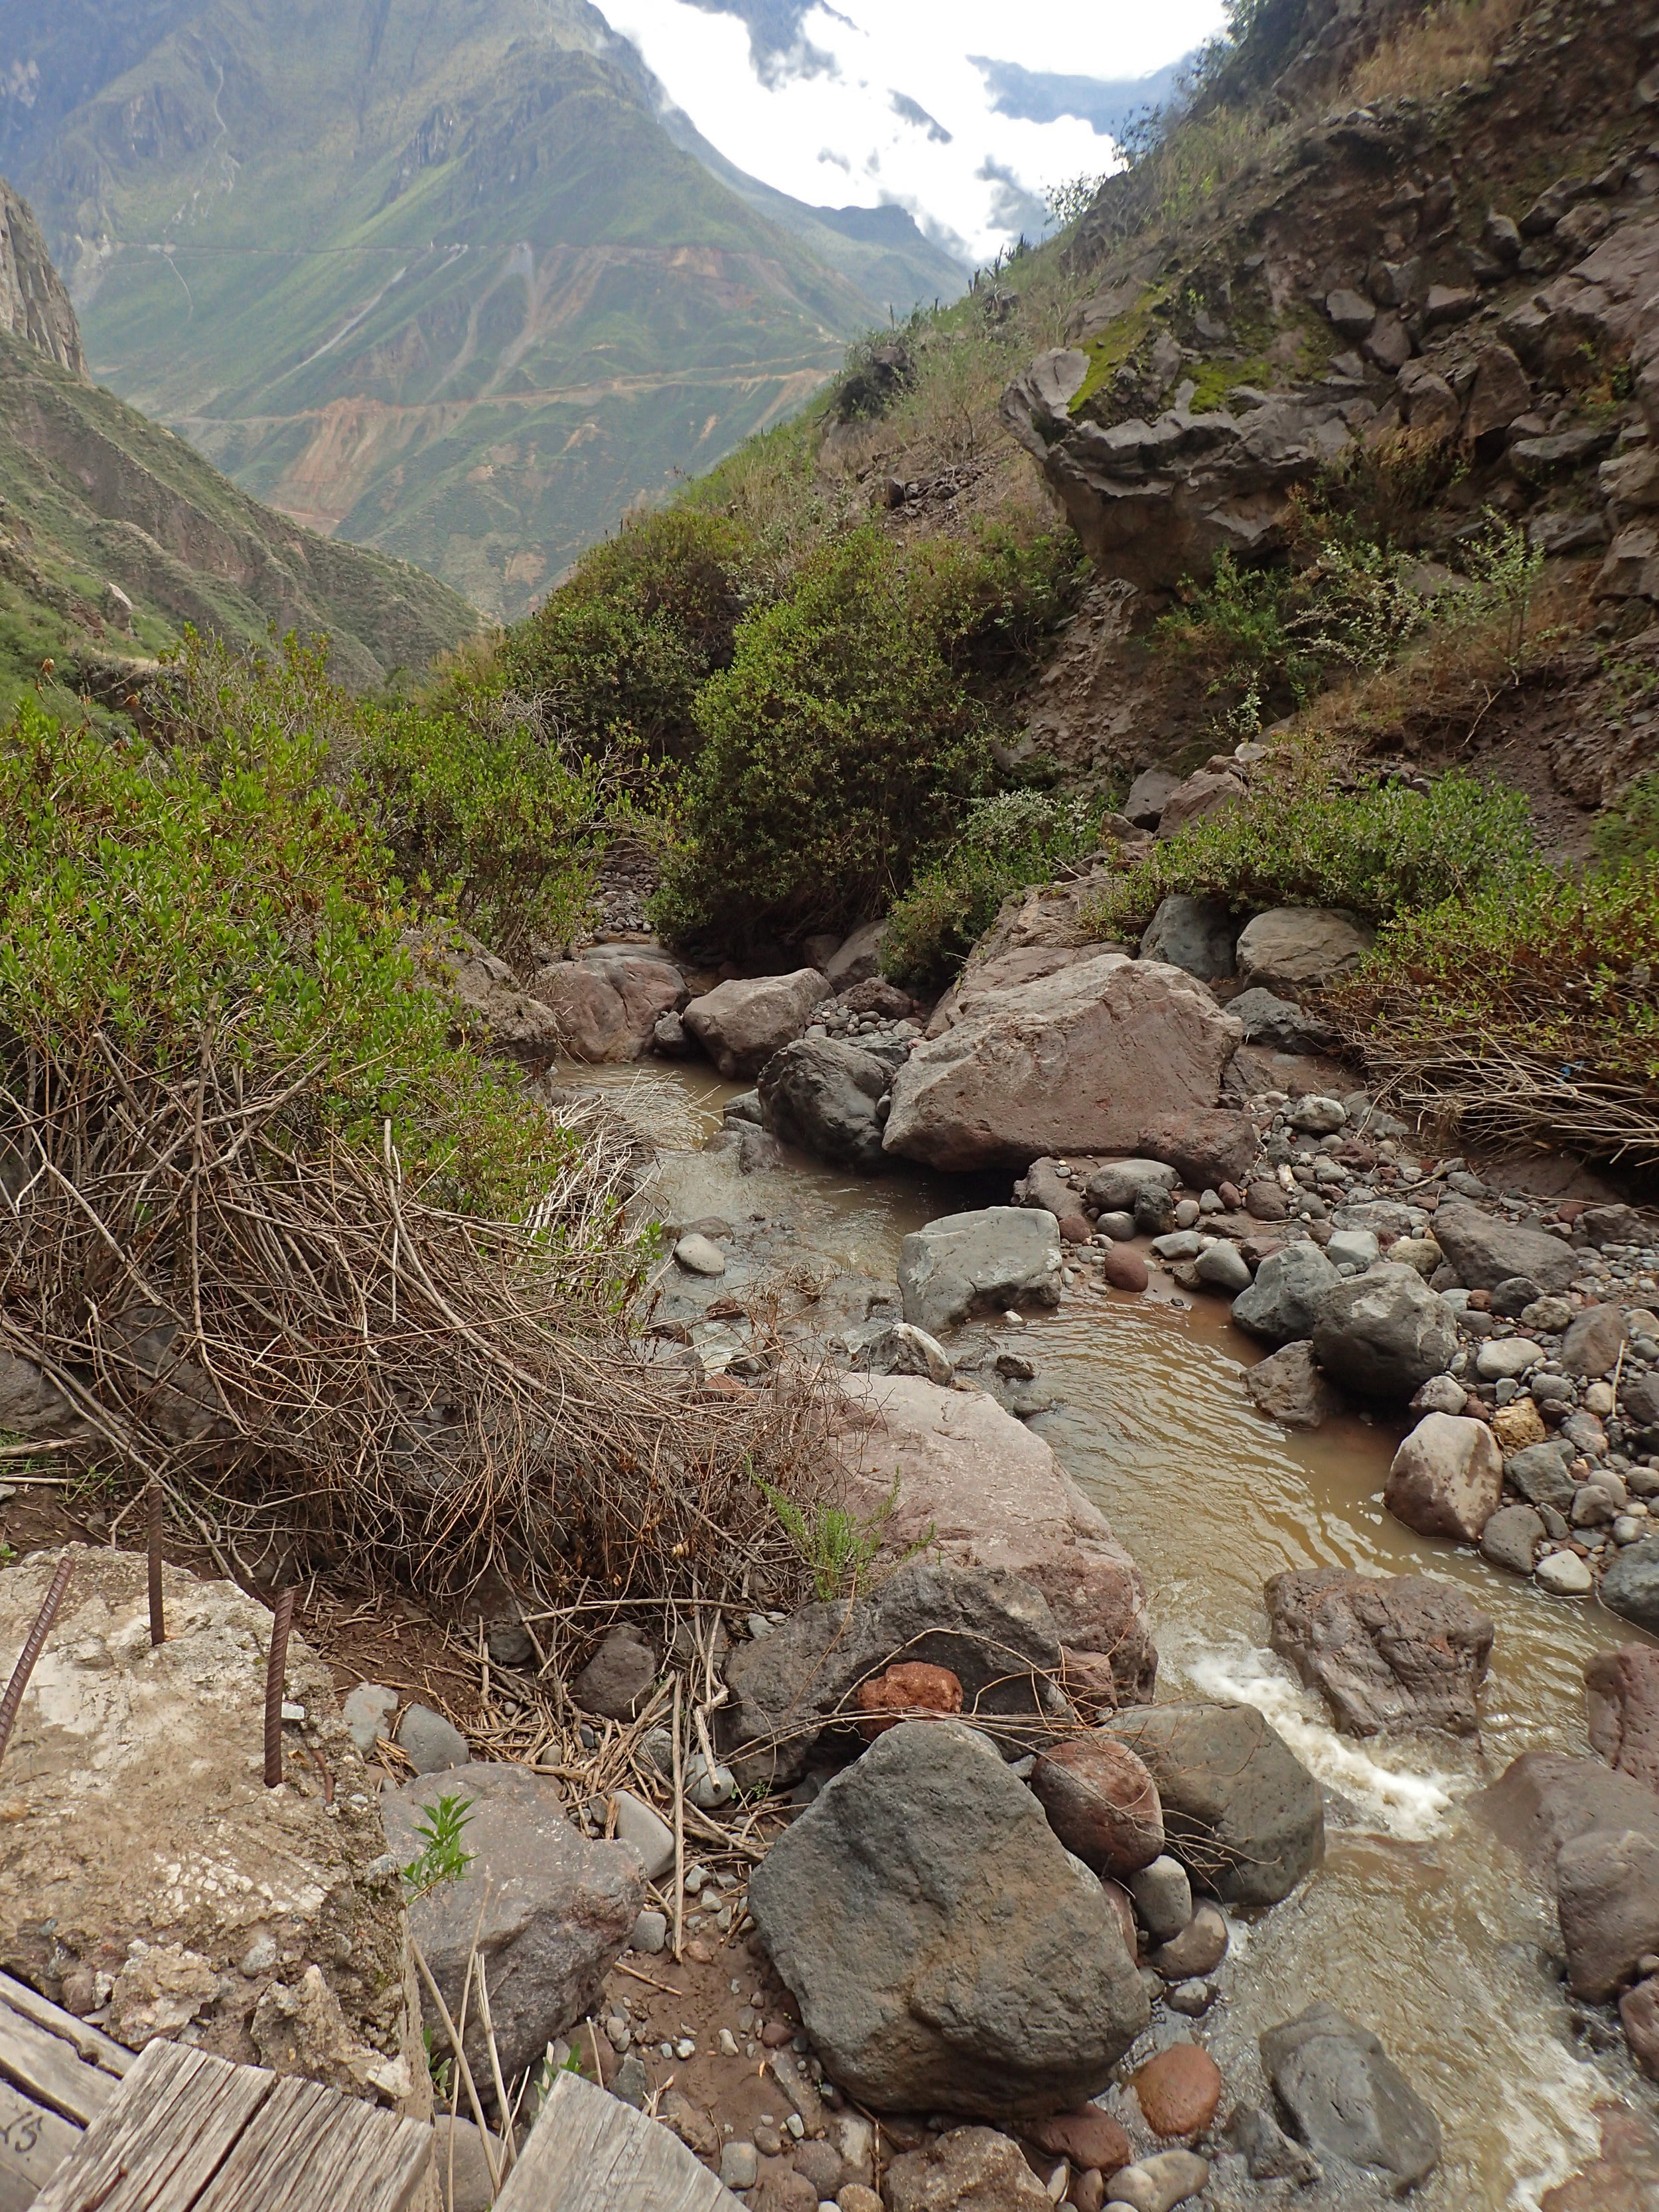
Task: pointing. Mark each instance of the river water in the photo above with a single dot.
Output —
(1419, 1924)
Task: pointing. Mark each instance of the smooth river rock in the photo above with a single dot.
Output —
(990, 1977)
(821, 1094)
(1630, 1587)
(741, 1024)
(1100, 1802)
(1240, 1810)
(1076, 1061)
(1390, 1652)
(987, 1262)
(1286, 1387)
(978, 1488)
(608, 1007)
(1484, 1252)
(1294, 949)
(1347, 2099)
(1446, 1478)
(1284, 1301)
(1622, 1710)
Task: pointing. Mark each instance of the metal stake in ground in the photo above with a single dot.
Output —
(276, 1667)
(32, 1651)
(158, 1626)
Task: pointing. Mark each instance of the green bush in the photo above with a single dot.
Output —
(1630, 830)
(1298, 841)
(840, 751)
(152, 902)
(1018, 838)
(994, 601)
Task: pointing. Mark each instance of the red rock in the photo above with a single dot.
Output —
(1205, 1144)
(1231, 1196)
(1123, 1904)
(1621, 1705)
(1100, 1802)
(1638, 2009)
(1090, 2138)
(907, 1691)
(1125, 1270)
(1179, 2090)
(1075, 1229)
(1265, 1201)
(1088, 2191)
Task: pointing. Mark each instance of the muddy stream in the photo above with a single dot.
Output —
(1419, 1923)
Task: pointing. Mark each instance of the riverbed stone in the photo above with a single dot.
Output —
(990, 1977)
(977, 1487)
(1193, 933)
(1197, 1950)
(1292, 951)
(821, 1094)
(1511, 1539)
(1622, 1710)
(1222, 1267)
(895, 1347)
(1607, 1889)
(987, 1262)
(699, 1255)
(1124, 1270)
(608, 1004)
(1383, 1333)
(1178, 2090)
(619, 1677)
(991, 1631)
(1484, 1252)
(964, 2170)
(1593, 1341)
(431, 1744)
(741, 1024)
(1446, 1478)
(1563, 1574)
(1268, 2153)
(1163, 1893)
(1240, 1810)
(366, 1712)
(1090, 2138)
(1347, 2099)
(1630, 1587)
(1159, 2183)
(1390, 1652)
(558, 1908)
(1284, 1302)
(1205, 1146)
(1286, 1387)
(1079, 1061)
(1540, 1473)
(1100, 1802)
(1510, 1357)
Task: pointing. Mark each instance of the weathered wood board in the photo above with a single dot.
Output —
(187, 2132)
(589, 2152)
(33, 2144)
(51, 2071)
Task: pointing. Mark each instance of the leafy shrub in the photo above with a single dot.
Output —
(1630, 830)
(1018, 838)
(840, 751)
(1237, 628)
(155, 902)
(1298, 840)
(994, 602)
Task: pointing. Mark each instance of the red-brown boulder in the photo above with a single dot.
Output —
(909, 1692)
(1101, 1802)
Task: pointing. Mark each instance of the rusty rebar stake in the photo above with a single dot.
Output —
(32, 1651)
(275, 1667)
(158, 1625)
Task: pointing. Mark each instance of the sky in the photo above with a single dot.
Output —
(961, 111)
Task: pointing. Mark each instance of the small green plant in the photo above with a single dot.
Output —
(1629, 831)
(836, 1546)
(1237, 627)
(441, 1858)
(1503, 568)
(1018, 838)
(439, 2069)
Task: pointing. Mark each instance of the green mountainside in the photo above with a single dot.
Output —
(114, 533)
(435, 278)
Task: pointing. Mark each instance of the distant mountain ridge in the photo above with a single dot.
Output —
(114, 533)
(454, 280)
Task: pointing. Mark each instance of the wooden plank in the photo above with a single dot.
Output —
(94, 2045)
(311, 2149)
(588, 2151)
(33, 2144)
(46, 2068)
(163, 2136)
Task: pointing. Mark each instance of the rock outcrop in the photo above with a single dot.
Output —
(34, 303)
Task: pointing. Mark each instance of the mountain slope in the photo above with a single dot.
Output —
(432, 278)
(113, 534)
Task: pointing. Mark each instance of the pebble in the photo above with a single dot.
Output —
(1563, 1574)
(740, 2164)
(768, 2141)
(1179, 2090)
(1162, 1896)
(685, 2048)
(1225, 1269)
(650, 1932)
(728, 2044)
(1125, 1270)
(1198, 1949)
(1506, 1356)
(1192, 1998)
(1158, 2183)
(700, 1256)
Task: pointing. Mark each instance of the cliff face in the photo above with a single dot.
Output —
(33, 304)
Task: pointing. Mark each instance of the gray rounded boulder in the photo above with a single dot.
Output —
(1383, 1335)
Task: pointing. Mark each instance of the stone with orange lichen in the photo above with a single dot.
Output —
(909, 1691)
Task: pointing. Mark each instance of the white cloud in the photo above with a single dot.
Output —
(839, 135)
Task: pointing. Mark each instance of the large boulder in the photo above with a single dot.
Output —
(1348, 2100)
(976, 1487)
(1545, 1799)
(1295, 949)
(991, 1629)
(144, 1853)
(1622, 1710)
(1241, 1812)
(1446, 1478)
(1284, 1301)
(1483, 1252)
(1000, 1257)
(1076, 1061)
(1383, 1333)
(857, 959)
(608, 1005)
(822, 1095)
(741, 1024)
(514, 1024)
(989, 1976)
(1193, 933)
(1208, 1146)
(1287, 1388)
(1607, 1893)
(557, 1909)
(1390, 1652)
